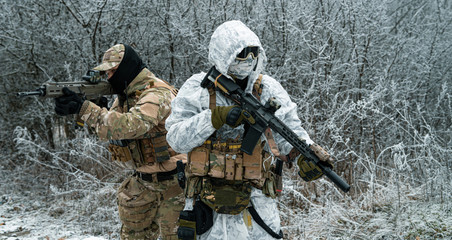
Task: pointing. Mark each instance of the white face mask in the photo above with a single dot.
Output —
(241, 69)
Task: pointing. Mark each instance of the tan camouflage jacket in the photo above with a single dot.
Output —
(149, 107)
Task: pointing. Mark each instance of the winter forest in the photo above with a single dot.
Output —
(372, 81)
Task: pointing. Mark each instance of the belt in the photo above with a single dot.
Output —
(161, 176)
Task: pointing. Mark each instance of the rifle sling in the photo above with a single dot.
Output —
(257, 92)
(261, 223)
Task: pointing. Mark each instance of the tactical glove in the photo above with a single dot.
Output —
(230, 115)
(308, 169)
(69, 103)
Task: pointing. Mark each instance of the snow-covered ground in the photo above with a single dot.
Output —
(29, 218)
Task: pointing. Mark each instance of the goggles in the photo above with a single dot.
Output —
(246, 52)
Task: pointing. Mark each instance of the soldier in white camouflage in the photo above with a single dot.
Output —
(150, 200)
(229, 194)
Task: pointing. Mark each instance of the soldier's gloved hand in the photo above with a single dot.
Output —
(102, 102)
(309, 170)
(69, 103)
(230, 115)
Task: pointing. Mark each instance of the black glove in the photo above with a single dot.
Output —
(101, 102)
(69, 103)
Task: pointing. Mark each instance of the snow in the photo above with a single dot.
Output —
(27, 217)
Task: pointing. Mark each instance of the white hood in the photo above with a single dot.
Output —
(190, 122)
(228, 40)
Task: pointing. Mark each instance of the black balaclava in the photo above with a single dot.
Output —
(130, 66)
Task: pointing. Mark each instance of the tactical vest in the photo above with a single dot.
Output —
(222, 175)
(134, 153)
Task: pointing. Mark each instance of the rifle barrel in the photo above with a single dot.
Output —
(33, 93)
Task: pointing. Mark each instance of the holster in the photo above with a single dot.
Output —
(204, 217)
(187, 225)
(195, 222)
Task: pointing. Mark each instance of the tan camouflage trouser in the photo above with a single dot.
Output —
(148, 209)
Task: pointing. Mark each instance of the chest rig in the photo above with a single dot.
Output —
(222, 175)
(134, 153)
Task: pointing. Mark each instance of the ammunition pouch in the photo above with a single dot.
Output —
(120, 152)
(222, 175)
(224, 160)
(138, 152)
(270, 186)
(158, 146)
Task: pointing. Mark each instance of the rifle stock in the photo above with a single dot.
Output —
(264, 117)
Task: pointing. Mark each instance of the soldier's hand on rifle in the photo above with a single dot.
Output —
(322, 154)
(230, 115)
(69, 103)
(308, 170)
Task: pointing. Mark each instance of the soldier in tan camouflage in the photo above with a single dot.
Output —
(150, 200)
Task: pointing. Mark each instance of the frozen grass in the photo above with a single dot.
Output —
(30, 217)
(388, 215)
(70, 194)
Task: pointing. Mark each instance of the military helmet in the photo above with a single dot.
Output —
(112, 58)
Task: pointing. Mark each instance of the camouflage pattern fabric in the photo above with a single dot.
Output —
(149, 210)
(112, 58)
(148, 111)
(223, 196)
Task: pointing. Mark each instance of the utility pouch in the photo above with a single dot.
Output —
(253, 164)
(161, 148)
(187, 225)
(270, 186)
(198, 161)
(137, 205)
(147, 150)
(120, 153)
(278, 177)
(238, 168)
(217, 164)
(228, 197)
(204, 217)
(135, 150)
(230, 167)
(193, 186)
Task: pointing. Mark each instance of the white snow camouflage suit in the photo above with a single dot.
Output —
(189, 125)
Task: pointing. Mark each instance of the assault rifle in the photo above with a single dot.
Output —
(92, 87)
(263, 116)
